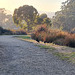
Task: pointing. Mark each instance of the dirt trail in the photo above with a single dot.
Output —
(23, 58)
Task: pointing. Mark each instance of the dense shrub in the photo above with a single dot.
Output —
(1, 30)
(59, 37)
(18, 32)
(39, 33)
(59, 42)
(4, 31)
(70, 40)
(12, 32)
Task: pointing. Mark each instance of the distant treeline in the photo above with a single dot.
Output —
(65, 19)
(6, 20)
(12, 32)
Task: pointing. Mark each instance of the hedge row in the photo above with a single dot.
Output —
(12, 32)
(44, 34)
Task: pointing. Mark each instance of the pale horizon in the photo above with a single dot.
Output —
(43, 5)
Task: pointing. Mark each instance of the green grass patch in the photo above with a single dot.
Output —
(61, 55)
(66, 56)
(24, 37)
(49, 48)
(43, 46)
(70, 57)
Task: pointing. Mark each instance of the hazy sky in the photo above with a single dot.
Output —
(40, 5)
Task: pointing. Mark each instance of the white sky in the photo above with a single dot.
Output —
(40, 5)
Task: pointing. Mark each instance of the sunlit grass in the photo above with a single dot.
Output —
(49, 48)
(24, 37)
(66, 56)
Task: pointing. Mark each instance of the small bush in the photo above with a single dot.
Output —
(70, 40)
(41, 28)
(18, 32)
(39, 33)
(59, 42)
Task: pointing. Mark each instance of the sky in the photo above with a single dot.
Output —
(40, 5)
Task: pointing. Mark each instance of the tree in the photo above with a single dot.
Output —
(6, 20)
(25, 16)
(47, 21)
(43, 16)
(65, 17)
(43, 19)
(2, 16)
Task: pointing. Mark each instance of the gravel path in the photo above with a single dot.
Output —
(23, 58)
